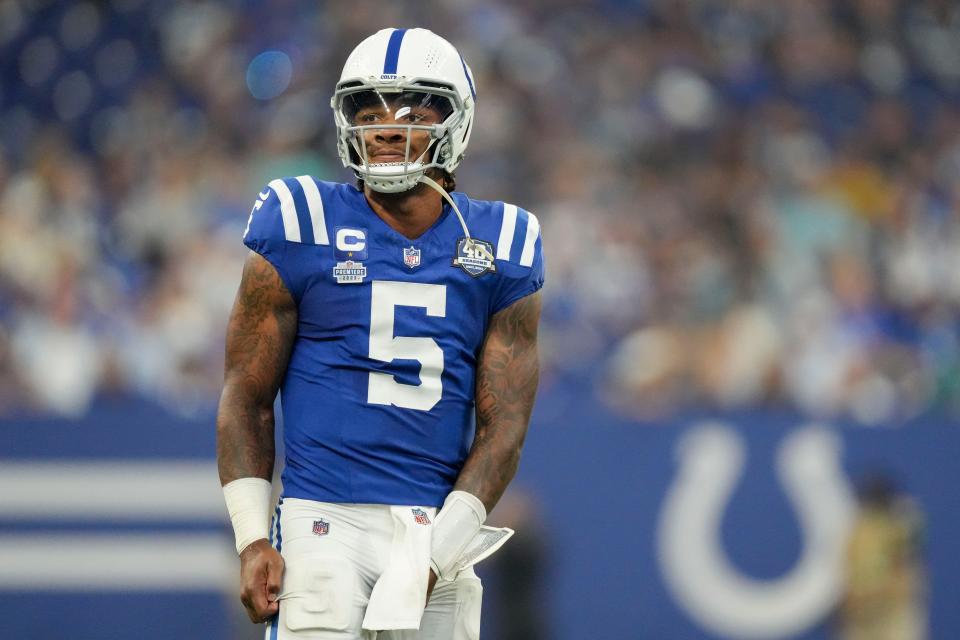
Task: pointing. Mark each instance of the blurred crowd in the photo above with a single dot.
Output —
(744, 202)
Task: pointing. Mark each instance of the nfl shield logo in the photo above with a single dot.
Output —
(321, 527)
(420, 516)
(411, 257)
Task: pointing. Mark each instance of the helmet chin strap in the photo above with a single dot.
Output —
(430, 182)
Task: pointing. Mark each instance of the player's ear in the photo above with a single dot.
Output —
(449, 182)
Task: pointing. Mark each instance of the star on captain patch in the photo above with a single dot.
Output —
(411, 257)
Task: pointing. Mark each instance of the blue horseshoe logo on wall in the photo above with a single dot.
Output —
(694, 564)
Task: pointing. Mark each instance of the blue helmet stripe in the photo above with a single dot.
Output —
(469, 81)
(393, 51)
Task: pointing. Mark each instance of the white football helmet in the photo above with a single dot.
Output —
(401, 71)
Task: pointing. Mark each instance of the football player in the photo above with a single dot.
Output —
(398, 318)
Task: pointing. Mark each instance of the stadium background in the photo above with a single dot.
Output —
(750, 216)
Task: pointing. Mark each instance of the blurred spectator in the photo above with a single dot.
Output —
(744, 203)
(886, 587)
(518, 571)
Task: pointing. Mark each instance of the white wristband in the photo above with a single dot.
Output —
(453, 528)
(248, 502)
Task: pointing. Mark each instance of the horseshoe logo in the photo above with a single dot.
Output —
(696, 568)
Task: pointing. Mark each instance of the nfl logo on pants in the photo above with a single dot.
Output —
(321, 527)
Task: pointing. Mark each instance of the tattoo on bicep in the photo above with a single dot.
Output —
(260, 335)
(509, 371)
(262, 324)
(507, 378)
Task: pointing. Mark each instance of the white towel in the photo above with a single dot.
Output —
(400, 594)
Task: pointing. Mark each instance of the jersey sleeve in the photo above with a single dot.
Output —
(519, 255)
(287, 215)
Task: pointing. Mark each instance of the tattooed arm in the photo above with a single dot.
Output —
(260, 335)
(507, 376)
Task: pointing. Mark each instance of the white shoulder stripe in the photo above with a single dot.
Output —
(315, 206)
(291, 226)
(506, 231)
(533, 230)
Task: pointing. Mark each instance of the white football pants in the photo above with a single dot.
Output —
(335, 553)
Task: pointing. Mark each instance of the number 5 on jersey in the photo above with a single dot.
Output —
(383, 388)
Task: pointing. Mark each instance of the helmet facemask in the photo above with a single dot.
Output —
(408, 124)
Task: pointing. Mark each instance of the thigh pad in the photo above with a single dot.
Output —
(319, 593)
(469, 598)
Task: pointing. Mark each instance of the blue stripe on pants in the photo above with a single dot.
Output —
(273, 624)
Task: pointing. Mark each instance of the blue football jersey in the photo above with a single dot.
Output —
(378, 397)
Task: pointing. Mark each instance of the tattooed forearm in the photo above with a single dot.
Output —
(260, 334)
(507, 377)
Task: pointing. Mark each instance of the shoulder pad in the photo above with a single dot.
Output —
(519, 233)
(288, 209)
